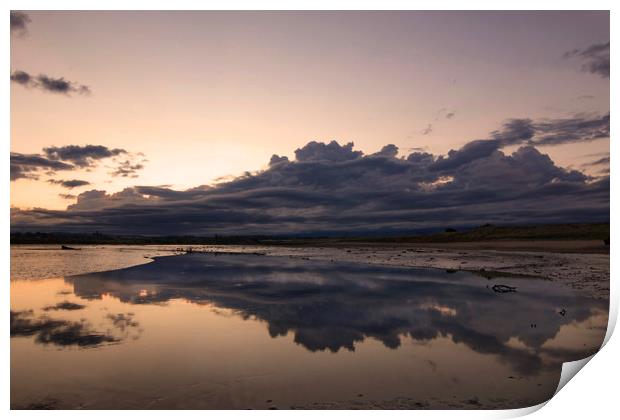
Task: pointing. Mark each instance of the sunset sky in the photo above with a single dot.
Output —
(197, 103)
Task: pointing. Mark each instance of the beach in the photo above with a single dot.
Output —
(582, 265)
(243, 326)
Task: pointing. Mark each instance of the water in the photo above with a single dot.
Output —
(250, 331)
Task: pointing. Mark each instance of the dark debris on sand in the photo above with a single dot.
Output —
(44, 404)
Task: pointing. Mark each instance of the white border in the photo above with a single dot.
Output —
(592, 395)
(307, 5)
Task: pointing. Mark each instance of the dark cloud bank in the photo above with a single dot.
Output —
(334, 189)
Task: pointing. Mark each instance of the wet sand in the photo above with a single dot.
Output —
(582, 265)
(569, 263)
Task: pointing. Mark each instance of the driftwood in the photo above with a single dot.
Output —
(500, 288)
(68, 248)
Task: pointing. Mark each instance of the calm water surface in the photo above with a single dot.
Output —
(251, 331)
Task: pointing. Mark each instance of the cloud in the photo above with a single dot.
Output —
(70, 157)
(275, 159)
(71, 183)
(594, 59)
(389, 151)
(97, 199)
(444, 113)
(552, 132)
(27, 166)
(601, 161)
(331, 152)
(21, 77)
(473, 150)
(335, 189)
(167, 193)
(572, 130)
(528, 132)
(127, 169)
(48, 84)
(82, 156)
(427, 130)
(19, 22)
(514, 131)
(440, 115)
(60, 85)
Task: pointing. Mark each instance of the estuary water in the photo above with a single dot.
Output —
(143, 328)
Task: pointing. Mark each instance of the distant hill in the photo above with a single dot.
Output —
(577, 231)
(59, 238)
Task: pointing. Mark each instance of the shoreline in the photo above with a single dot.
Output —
(582, 265)
(586, 273)
(570, 263)
(556, 246)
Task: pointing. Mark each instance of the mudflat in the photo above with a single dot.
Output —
(581, 264)
(572, 246)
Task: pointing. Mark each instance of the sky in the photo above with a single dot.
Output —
(181, 121)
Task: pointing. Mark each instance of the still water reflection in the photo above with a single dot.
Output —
(250, 331)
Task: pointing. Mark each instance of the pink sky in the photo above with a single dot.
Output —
(209, 94)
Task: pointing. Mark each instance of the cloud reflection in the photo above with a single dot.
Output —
(333, 306)
(56, 331)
